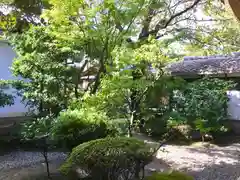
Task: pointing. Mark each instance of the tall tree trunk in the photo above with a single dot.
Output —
(65, 86)
(135, 99)
(130, 124)
(78, 79)
(102, 66)
(98, 78)
(45, 155)
(76, 86)
(41, 100)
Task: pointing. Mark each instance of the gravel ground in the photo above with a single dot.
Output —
(212, 163)
(203, 163)
(24, 159)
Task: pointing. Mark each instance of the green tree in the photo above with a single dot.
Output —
(116, 92)
(6, 99)
(17, 16)
(38, 131)
(104, 26)
(218, 33)
(42, 61)
(204, 102)
(114, 35)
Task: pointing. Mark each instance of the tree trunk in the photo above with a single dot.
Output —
(129, 129)
(130, 124)
(235, 6)
(41, 101)
(45, 155)
(203, 139)
(65, 86)
(76, 86)
(98, 78)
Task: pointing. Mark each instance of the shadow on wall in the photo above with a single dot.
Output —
(9, 126)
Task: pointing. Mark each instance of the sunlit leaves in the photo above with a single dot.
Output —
(7, 22)
(152, 52)
(42, 62)
(218, 36)
(6, 98)
(204, 101)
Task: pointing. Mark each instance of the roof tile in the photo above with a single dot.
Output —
(218, 64)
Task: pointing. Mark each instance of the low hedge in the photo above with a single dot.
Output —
(109, 158)
(74, 127)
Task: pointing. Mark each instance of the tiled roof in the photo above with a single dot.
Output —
(219, 64)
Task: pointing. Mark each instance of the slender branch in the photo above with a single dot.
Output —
(168, 22)
(181, 12)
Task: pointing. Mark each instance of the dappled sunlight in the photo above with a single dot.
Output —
(193, 158)
(201, 160)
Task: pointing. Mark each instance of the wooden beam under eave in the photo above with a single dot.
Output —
(235, 6)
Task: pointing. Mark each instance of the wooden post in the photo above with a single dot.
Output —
(234, 5)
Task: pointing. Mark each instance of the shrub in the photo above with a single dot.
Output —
(204, 104)
(74, 127)
(155, 126)
(174, 175)
(109, 158)
(120, 126)
(38, 131)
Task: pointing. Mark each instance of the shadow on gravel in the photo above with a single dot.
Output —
(36, 172)
(55, 176)
(221, 171)
(232, 153)
(226, 140)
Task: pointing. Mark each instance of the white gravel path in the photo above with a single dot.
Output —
(203, 163)
(213, 163)
(21, 159)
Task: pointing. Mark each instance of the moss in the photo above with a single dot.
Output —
(174, 175)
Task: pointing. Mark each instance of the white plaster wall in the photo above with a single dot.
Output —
(6, 58)
(234, 104)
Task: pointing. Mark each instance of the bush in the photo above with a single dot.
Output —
(109, 158)
(169, 176)
(74, 127)
(156, 126)
(39, 131)
(120, 126)
(204, 104)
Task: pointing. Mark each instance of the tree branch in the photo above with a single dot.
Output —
(181, 12)
(159, 26)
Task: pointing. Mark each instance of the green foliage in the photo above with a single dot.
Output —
(120, 126)
(42, 60)
(174, 175)
(157, 106)
(176, 119)
(203, 103)
(109, 158)
(156, 126)
(111, 36)
(37, 130)
(106, 31)
(6, 99)
(74, 127)
(220, 35)
(19, 15)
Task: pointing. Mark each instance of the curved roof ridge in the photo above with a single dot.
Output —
(187, 58)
